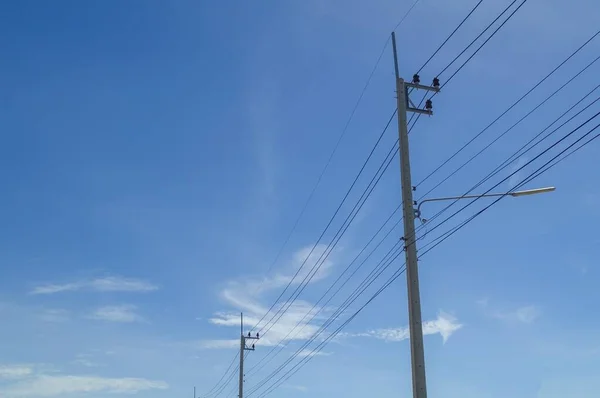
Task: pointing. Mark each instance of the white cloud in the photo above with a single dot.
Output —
(86, 362)
(52, 288)
(51, 386)
(218, 344)
(15, 371)
(117, 313)
(107, 284)
(295, 387)
(310, 353)
(247, 296)
(525, 314)
(445, 325)
(297, 314)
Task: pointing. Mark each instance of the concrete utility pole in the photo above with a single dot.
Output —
(243, 349)
(412, 272)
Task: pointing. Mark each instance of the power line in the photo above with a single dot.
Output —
(564, 157)
(339, 140)
(400, 23)
(523, 149)
(494, 33)
(477, 37)
(450, 36)
(322, 234)
(439, 48)
(556, 159)
(231, 377)
(282, 345)
(209, 393)
(465, 49)
(297, 367)
(548, 98)
(508, 109)
(454, 230)
(545, 167)
(327, 164)
(358, 291)
(516, 171)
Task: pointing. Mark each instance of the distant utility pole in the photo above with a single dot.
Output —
(244, 348)
(412, 272)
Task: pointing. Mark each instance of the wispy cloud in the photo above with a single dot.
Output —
(311, 353)
(525, 314)
(54, 315)
(51, 386)
(117, 313)
(295, 387)
(15, 371)
(217, 344)
(84, 360)
(107, 284)
(445, 325)
(247, 296)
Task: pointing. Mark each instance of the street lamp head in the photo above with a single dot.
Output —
(532, 191)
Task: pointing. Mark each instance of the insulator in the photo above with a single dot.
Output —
(416, 79)
(436, 82)
(248, 334)
(252, 346)
(428, 105)
(257, 336)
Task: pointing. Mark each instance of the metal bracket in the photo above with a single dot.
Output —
(412, 107)
(417, 110)
(422, 87)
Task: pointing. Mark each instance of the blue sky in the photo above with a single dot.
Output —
(154, 156)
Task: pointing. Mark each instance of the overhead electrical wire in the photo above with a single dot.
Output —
(514, 104)
(524, 149)
(340, 233)
(278, 311)
(516, 171)
(549, 97)
(387, 163)
(216, 386)
(564, 157)
(570, 153)
(348, 123)
(330, 158)
(450, 36)
(439, 48)
(484, 43)
(304, 321)
(518, 152)
(339, 140)
(365, 283)
(383, 265)
(466, 48)
(552, 162)
(541, 153)
(230, 378)
(545, 167)
(476, 51)
(306, 359)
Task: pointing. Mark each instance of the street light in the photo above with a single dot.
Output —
(488, 195)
